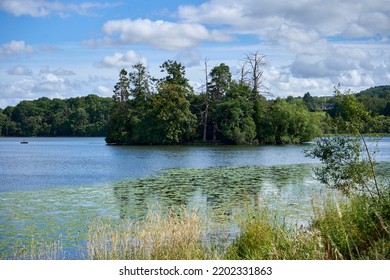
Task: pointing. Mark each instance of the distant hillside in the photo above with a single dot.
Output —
(376, 99)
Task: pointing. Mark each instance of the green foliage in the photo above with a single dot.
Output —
(357, 228)
(234, 116)
(343, 167)
(169, 119)
(348, 164)
(349, 114)
(265, 237)
(289, 123)
(376, 99)
(175, 75)
(80, 116)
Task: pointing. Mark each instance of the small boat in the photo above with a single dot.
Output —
(24, 142)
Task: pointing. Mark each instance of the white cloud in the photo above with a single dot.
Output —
(313, 32)
(15, 48)
(43, 8)
(52, 86)
(103, 90)
(159, 34)
(121, 60)
(354, 78)
(189, 57)
(20, 70)
(327, 17)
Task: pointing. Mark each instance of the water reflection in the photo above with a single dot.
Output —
(220, 188)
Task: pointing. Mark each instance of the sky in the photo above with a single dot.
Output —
(62, 49)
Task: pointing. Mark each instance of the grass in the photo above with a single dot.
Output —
(355, 228)
(39, 250)
(174, 235)
(266, 237)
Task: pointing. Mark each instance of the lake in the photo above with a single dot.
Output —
(52, 188)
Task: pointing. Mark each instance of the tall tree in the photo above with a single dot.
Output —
(220, 80)
(234, 115)
(252, 70)
(118, 128)
(175, 75)
(169, 119)
(140, 83)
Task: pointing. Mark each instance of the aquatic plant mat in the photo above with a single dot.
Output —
(178, 214)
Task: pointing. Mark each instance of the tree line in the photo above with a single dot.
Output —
(145, 110)
(79, 116)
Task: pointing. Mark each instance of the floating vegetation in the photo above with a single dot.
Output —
(67, 212)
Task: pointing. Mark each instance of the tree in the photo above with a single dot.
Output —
(289, 123)
(4, 123)
(220, 80)
(175, 75)
(349, 114)
(118, 131)
(347, 161)
(234, 115)
(309, 102)
(140, 83)
(169, 119)
(252, 70)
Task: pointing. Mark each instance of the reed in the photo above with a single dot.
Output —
(39, 250)
(266, 236)
(356, 228)
(171, 235)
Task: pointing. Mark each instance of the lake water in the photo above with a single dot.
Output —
(53, 188)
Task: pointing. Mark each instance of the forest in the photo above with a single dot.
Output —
(79, 116)
(145, 110)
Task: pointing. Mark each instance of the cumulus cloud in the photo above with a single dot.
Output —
(318, 35)
(121, 60)
(43, 8)
(159, 34)
(15, 48)
(328, 17)
(189, 58)
(52, 86)
(20, 70)
(103, 90)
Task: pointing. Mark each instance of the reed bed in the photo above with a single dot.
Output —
(171, 235)
(354, 228)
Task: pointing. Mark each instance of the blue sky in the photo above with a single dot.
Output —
(73, 48)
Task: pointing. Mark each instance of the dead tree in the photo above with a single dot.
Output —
(252, 71)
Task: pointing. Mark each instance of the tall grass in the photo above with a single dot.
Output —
(356, 228)
(170, 235)
(267, 237)
(39, 250)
